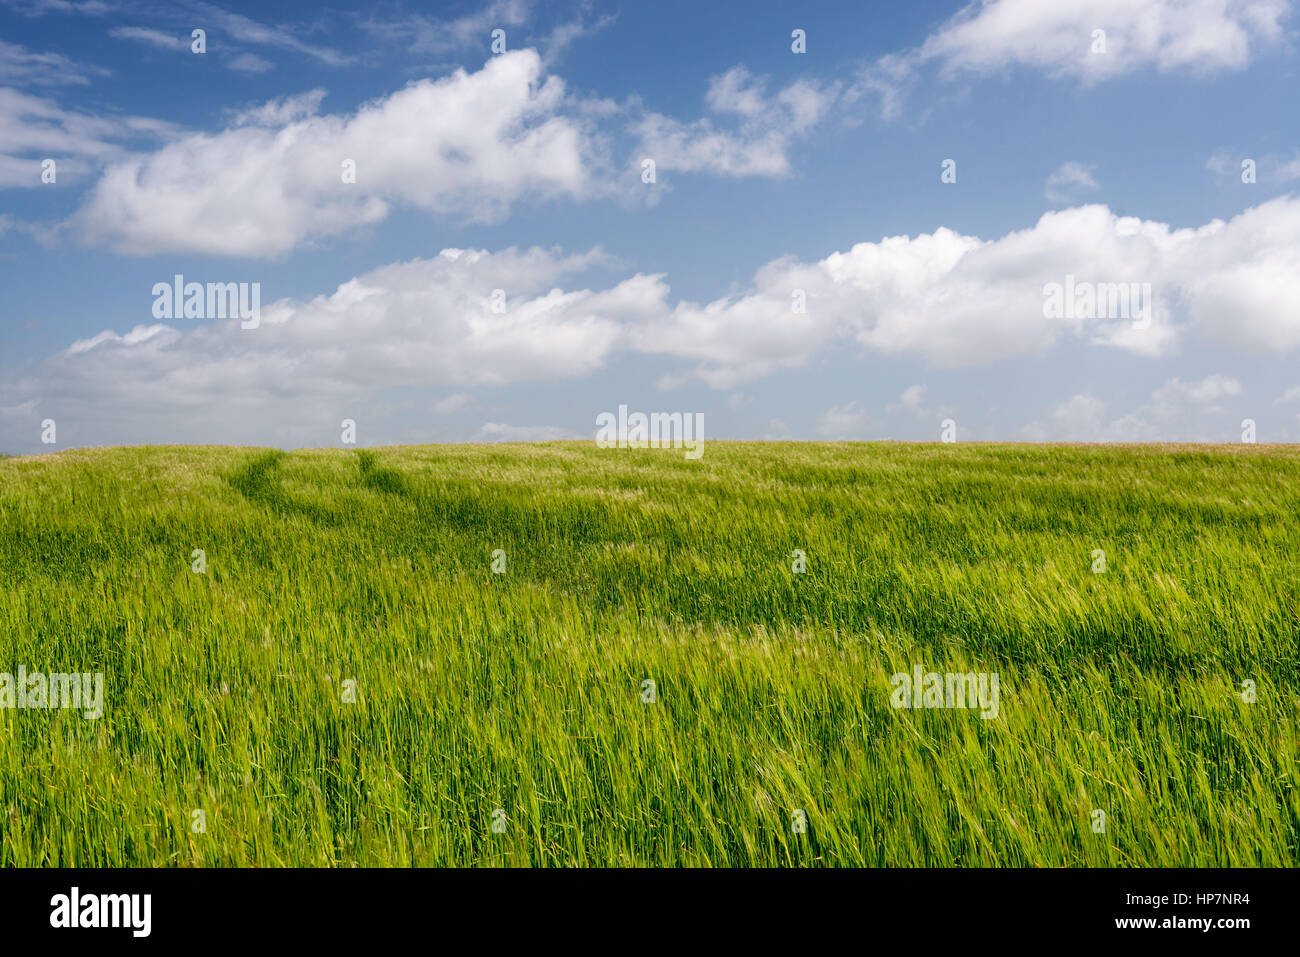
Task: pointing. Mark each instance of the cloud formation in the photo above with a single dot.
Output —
(955, 300)
(1060, 39)
(757, 138)
(470, 319)
(1068, 180)
(1192, 36)
(468, 145)
(412, 325)
(34, 128)
(1177, 411)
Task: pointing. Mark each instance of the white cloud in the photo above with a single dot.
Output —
(249, 63)
(281, 112)
(1192, 36)
(956, 300)
(1055, 37)
(1068, 180)
(759, 144)
(1206, 393)
(1288, 170)
(1241, 279)
(556, 43)
(1077, 419)
(468, 145)
(34, 128)
(426, 323)
(1223, 163)
(845, 422)
(911, 399)
(888, 79)
(947, 299)
(1177, 411)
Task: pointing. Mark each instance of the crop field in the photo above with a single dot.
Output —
(557, 655)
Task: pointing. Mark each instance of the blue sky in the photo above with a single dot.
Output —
(1112, 160)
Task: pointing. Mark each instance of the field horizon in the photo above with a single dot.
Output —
(1244, 446)
(549, 654)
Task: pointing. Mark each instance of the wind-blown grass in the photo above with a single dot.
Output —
(522, 691)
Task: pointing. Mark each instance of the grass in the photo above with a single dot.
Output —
(523, 691)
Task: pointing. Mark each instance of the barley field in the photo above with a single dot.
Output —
(556, 655)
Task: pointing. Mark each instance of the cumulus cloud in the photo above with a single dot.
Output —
(421, 324)
(468, 145)
(1195, 37)
(944, 298)
(757, 137)
(956, 300)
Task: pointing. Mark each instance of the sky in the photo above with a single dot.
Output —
(495, 220)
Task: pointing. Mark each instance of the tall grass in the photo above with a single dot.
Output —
(523, 691)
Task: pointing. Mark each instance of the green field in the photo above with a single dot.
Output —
(525, 691)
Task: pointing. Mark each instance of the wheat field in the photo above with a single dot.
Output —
(558, 655)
